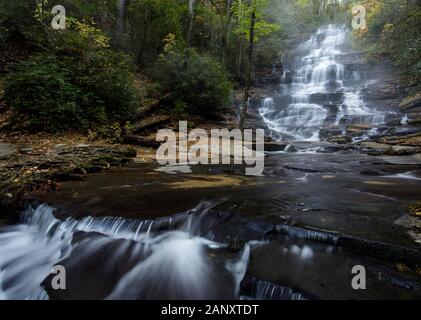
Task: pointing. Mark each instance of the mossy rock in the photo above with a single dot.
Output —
(415, 209)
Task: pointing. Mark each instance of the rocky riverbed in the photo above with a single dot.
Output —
(25, 168)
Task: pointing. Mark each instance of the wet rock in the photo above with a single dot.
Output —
(413, 224)
(335, 148)
(387, 89)
(253, 116)
(80, 171)
(302, 169)
(82, 146)
(6, 150)
(358, 129)
(26, 149)
(282, 101)
(371, 173)
(64, 177)
(411, 104)
(404, 138)
(325, 98)
(381, 250)
(403, 151)
(275, 146)
(340, 139)
(381, 148)
(414, 119)
(329, 132)
(394, 122)
(93, 168)
(291, 149)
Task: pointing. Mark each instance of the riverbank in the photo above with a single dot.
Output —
(42, 162)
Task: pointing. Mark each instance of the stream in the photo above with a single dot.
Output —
(293, 233)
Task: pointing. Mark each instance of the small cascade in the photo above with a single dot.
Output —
(28, 252)
(268, 291)
(320, 92)
(175, 255)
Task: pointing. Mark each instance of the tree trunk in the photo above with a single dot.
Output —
(150, 122)
(147, 142)
(152, 106)
(239, 59)
(191, 22)
(226, 31)
(250, 65)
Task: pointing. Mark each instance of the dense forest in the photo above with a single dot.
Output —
(125, 173)
(116, 56)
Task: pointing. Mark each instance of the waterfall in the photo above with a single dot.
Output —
(320, 93)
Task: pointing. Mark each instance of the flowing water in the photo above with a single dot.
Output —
(165, 258)
(320, 92)
(119, 238)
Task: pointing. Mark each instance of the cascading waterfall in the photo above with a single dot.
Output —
(319, 92)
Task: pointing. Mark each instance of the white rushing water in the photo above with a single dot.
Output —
(318, 90)
(167, 258)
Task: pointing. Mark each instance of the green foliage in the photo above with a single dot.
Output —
(17, 18)
(110, 132)
(148, 24)
(4, 34)
(78, 82)
(198, 83)
(394, 31)
(243, 10)
(41, 94)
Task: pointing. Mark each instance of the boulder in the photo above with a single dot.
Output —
(411, 104)
(275, 146)
(375, 145)
(340, 139)
(375, 148)
(6, 150)
(326, 98)
(329, 132)
(414, 119)
(403, 151)
(357, 129)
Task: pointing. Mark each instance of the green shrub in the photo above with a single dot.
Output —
(41, 94)
(196, 81)
(79, 84)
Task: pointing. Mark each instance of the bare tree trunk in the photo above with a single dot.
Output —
(147, 142)
(240, 59)
(192, 4)
(250, 65)
(225, 34)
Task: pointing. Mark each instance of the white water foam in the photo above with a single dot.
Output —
(318, 76)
